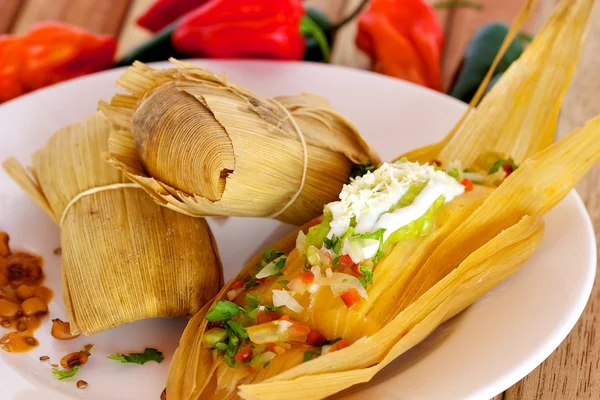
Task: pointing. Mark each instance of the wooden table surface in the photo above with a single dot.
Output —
(573, 370)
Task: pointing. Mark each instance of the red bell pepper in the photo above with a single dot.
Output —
(49, 53)
(162, 12)
(403, 38)
(232, 29)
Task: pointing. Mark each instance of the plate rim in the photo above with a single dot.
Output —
(502, 382)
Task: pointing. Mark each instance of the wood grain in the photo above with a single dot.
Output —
(573, 370)
(8, 13)
(131, 34)
(102, 17)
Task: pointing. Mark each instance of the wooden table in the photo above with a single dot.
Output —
(572, 371)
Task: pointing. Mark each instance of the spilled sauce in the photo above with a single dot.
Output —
(23, 298)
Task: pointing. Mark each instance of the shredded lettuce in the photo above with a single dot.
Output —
(417, 227)
(317, 234)
(409, 197)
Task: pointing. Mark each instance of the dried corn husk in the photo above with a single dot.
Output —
(518, 116)
(201, 145)
(124, 257)
(487, 236)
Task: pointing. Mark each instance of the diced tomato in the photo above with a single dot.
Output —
(355, 269)
(467, 184)
(251, 369)
(261, 280)
(315, 338)
(345, 261)
(244, 355)
(508, 168)
(215, 324)
(285, 317)
(351, 297)
(437, 163)
(307, 276)
(237, 284)
(263, 316)
(340, 344)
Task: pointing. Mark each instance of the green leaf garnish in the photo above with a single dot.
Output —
(367, 272)
(139, 358)
(237, 329)
(310, 354)
(65, 373)
(223, 310)
(252, 303)
(283, 282)
(361, 169)
(500, 163)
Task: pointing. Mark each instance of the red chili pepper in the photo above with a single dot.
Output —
(307, 276)
(467, 184)
(237, 284)
(162, 12)
(340, 344)
(244, 355)
(404, 38)
(253, 28)
(351, 297)
(49, 53)
(508, 168)
(315, 338)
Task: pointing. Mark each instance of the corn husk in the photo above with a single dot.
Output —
(480, 238)
(518, 116)
(201, 145)
(124, 257)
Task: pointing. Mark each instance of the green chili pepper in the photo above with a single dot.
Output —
(158, 48)
(479, 57)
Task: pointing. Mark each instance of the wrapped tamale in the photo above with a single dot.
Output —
(336, 301)
(124, 257)
(202, 145)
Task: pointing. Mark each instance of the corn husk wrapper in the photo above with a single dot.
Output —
(518, 116)
(124, 257)
(201, 145)
(480, 238)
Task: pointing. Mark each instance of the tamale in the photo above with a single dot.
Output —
(473, 243)
(202, 145)
(124, 257)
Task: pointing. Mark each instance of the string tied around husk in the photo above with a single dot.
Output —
(92, 191)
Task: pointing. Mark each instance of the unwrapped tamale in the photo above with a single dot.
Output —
(203, 146)
(124, 257)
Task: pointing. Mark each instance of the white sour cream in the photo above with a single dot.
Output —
(369, 198)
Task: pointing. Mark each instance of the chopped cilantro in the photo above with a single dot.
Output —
(252, 282)
(237, 329)
(283, 282)
(251, 307)
(330, 244)
(500, 163)
(310, 354)
(273, 308)
(139, 358)
(361, 169)
(265, 365)
(367, 272)
(65, 373)
(223, 310)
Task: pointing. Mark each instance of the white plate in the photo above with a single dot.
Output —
(483, 351)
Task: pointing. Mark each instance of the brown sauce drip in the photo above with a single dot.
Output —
(21, 278)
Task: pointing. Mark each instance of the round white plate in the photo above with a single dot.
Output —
(478, 354)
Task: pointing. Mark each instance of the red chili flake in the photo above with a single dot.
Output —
(237, 284)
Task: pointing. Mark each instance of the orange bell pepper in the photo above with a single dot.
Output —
(404, 39)
(49, 53)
